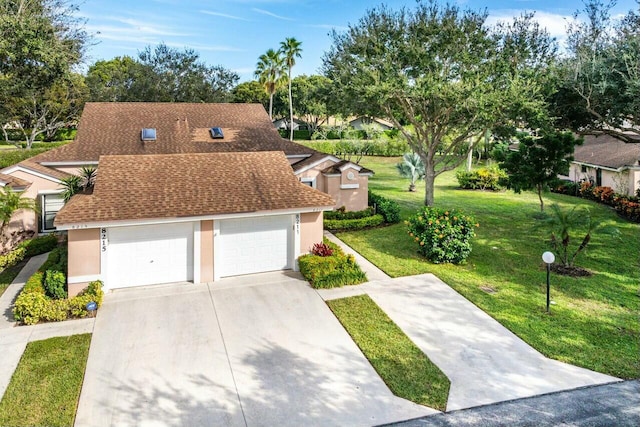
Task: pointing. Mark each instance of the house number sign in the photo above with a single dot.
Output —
(297, 224)
(103, 239)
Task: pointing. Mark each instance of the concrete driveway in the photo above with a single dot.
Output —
(259, 350)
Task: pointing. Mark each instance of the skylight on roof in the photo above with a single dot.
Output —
(148, 134)
(216, 133)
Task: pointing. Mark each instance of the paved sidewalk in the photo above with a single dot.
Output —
(485, 362)
(373, 273)
(13, 342)
(11, 293)
(605, 405)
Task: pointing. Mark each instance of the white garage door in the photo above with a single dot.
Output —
(149, 254)
(253, 245)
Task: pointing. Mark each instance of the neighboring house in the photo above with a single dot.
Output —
(297, 124)
(609, 162)
(185, 192)
(359, 123)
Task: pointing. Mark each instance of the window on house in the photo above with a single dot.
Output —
(51, 204)
(216, 133)
(148, 134)
(311, 182)
(583, 169)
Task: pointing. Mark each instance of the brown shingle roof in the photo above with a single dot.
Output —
(335, 168)
(185, 185)
(13, 181)
(113, 128)
(608, 151)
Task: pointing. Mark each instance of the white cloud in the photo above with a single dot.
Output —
(223, 15)
(556, 24)
(273, 15)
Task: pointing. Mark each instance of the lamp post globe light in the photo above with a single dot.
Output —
(548, 258)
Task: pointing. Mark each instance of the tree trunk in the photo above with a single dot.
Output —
(429, 180)
(470, 158)
(290, 108)
(271, 106)
(539, 188)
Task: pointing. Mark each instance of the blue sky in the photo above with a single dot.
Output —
(234, 33)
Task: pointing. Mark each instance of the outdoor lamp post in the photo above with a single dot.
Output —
(548, 258)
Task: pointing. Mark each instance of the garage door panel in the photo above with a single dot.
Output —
(146, 255)
(253, 245)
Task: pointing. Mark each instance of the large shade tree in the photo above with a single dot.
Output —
(40, 43)
(600, 91)
(290, 50)
(270, 71)
(438, 73)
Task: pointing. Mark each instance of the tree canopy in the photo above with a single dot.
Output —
(160, 74)
(440, 75)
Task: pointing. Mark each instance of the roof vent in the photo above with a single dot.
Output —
(148, 134)
(216, 133)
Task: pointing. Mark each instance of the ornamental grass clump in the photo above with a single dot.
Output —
(442, 235)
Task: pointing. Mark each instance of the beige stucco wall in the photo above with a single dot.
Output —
(355, 199)
(27, 220)
(310, 230)
(315, 173)
(84, 257)
(609, 178)
(206, 251)
(73, 170)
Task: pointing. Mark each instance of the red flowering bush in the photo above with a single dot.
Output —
(321, 249)
(442, 235)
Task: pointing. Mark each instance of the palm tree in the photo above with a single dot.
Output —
(10, 202)
(411, 167)
(270, 73)
(291, 50)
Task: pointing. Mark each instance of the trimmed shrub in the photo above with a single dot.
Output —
(487, 178)
(12, 258)
(54, 284)
(39, 245)
(442, 235)
(389, 209)
(331, 271)
(353, 224)
(341, 213)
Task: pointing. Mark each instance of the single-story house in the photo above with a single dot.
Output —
(607, 161)
(284, 124)
(360, 122)
(185, 192)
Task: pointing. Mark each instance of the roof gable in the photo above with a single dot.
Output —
(189, 185)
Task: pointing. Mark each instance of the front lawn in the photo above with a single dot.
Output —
(405, 369)
(45, 387)
(594, 323)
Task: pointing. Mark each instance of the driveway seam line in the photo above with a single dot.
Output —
(226, 352)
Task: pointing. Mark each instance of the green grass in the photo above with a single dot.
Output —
(9, 274)
(12, 155)
(45, 387)
(405, 369)
(594, 323)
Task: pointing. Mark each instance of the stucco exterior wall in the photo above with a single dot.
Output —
(353, 199)
(609, 178)
(310, 230)
(74, 170)
(27, 220)
(206, 251)
(84, 258)
(315, 173)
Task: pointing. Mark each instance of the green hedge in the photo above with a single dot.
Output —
(389, 209)
(12, 258)
(39, 245)
(297, 134)
(35, 304)
(331, 271)
(353, 224)
(486, 178)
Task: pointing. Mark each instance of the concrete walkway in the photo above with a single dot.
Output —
(485, 362)
(14, 339)
(11, 293)
(373, 273)
(598, 406)
(258, 350)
